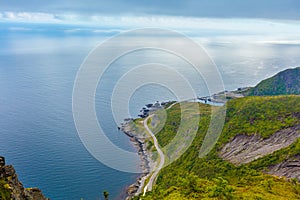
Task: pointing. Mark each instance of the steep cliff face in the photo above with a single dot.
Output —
(289, 168)
(264, 134)
(13, 188)
(243, 149)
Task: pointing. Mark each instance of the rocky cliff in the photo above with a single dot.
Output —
(12, 188)
(243, 149)
(289, 168)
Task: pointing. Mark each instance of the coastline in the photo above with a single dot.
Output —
(147, 163)
(139, 143)
(145, 157)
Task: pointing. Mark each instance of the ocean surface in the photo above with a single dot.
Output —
(38, 67)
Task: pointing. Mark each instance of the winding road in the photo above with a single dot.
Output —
(152, 179)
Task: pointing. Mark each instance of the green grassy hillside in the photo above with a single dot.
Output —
(285, 82)
(192, 177)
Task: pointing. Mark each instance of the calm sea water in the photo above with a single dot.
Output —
(37, 132)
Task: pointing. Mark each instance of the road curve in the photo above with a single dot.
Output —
(149, 185)
(172, 105)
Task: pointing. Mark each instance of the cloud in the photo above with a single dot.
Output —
(19, 29)
(188, 25)
(28, 17)
(207, 30)
(271, 9)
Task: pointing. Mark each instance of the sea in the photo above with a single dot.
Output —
(38, 67)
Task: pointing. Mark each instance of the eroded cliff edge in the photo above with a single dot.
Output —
(243, 149)
(12, 188)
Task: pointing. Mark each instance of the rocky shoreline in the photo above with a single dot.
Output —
(145, 157)
(147, 163)
(15, 187)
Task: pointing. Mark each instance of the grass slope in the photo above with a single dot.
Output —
(192, 177)
(283, 83)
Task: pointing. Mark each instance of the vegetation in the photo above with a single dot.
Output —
(210, 177)
(5, 193)
(277, 157)
(283, 83)
(263, 116)
(105, 194)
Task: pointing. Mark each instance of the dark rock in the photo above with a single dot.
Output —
(2, 161)
(132, 189)
(164, 103)
(149, 105)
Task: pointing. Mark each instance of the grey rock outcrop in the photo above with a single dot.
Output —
(244, 149)
(289, 168)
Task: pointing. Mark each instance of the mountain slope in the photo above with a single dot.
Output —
(212, 177)
(285, 82)
(244, 149)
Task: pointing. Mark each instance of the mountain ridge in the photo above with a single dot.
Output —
(283, 83)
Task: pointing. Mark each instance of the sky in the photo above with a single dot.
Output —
(66, 9)
(277, 20)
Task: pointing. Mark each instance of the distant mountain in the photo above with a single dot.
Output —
(283, 83)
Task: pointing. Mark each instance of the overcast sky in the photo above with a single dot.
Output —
(276, 20)
(270, 9)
